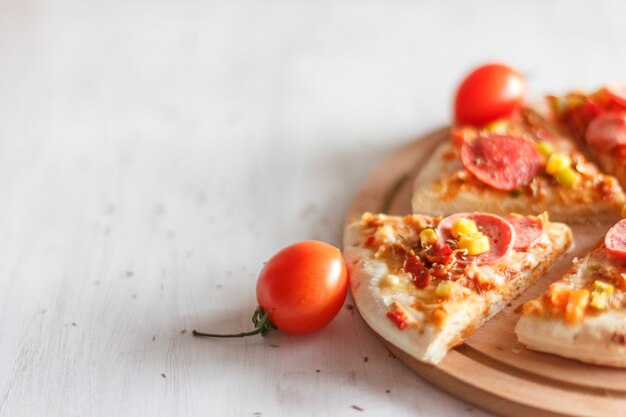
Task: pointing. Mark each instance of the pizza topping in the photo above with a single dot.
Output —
(500, 126)
(499, 233)
(385, 234)
(607, 131)
(560, 166)
(444, 289)
(389, 281)
(559, 294)
(399, 315)
(463, 226)
(545, 148)
(528, 230)
(440, 254)
(593, 286)
(572, 303)
(532, 308)
(474, 243)
(567, 177)
(419, 273)
(557, 162)
(601, 295)
(427, 237)
(577, 302)
(502, 162)
(462, 134)
(615, 240)
(426, 261)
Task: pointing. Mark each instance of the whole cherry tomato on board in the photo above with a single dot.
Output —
(488, 93)
(299, 290)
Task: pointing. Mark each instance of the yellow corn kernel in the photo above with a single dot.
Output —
(567, 177)
(599, 300)
(576, 305)
(624, 211)
(545, 148)
(444, 289)
(463, 227)
(500, 126)
(428, 237)
(601, 286)
(474, 243)
(557, 162)
(601, 295)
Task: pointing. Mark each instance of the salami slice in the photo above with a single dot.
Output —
(500, 161)
(500, 233)
(606, 131)
(615, 240)
(527, 230)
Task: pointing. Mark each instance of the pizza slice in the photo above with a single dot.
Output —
(426, 283)
(598, 122)
(583, 315)
(521, 164)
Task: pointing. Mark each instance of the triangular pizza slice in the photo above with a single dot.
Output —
(426, 283)
(583, 315)
(521, 164)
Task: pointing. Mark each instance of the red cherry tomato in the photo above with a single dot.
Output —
(304, 286)
(490, 92)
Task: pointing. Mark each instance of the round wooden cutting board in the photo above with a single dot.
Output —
(492, 370)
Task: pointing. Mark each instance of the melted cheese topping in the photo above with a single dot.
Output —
(395, 239)
(592, 186)
(571, 298)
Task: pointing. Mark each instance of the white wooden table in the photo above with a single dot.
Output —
(154, 153)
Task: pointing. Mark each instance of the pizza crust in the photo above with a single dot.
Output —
(428, 342)
(598, 339)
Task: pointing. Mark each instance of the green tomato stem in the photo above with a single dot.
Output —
(261, 322)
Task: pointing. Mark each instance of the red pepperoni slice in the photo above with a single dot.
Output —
(527, 230)
(499, 232)
(503, 162)
(606, 131)
(615, 240)
(617, 92)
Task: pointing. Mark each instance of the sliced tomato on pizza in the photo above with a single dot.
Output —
(583, 315)
(522, 164)
(426, 283)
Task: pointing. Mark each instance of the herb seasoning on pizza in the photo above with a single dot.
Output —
(426, 283)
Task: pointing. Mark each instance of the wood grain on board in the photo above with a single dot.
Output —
(491, 369)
